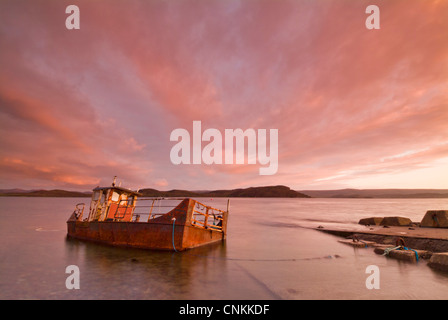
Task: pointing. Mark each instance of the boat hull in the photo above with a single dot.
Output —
(172, 231)
(144, 235)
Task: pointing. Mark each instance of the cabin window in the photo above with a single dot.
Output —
(115, 196)
(130, 201)
(96, 196)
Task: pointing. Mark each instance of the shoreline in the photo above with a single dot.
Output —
(421, 238)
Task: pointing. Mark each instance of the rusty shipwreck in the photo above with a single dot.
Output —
(115, 218)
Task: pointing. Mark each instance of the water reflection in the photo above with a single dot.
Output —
(116, 272)
(270, 253)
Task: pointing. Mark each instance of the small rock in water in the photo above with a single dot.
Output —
(332, 256)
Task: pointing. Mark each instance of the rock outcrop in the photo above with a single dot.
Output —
(395, 221)
(435, 219)
(373, 221)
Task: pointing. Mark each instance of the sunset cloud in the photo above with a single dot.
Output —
(353, 107)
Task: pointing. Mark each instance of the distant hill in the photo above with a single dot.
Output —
(378, 193)
(15, 191)
(172, 193)
(253, 192)
(43, 193)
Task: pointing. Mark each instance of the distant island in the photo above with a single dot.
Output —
(43, 193)
(252, 192)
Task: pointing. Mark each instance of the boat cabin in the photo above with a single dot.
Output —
(112, 204)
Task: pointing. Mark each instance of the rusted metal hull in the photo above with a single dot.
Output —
(143, 235)
(172, 231)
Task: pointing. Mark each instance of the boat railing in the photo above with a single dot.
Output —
(79, 210)
(207, 217)
(147, 209)
(203, 216)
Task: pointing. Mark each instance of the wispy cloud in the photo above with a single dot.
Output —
(78, 107)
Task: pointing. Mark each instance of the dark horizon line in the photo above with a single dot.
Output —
(277, 191)
(208, 190)
(224, 189)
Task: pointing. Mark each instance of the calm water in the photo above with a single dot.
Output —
(268, 255)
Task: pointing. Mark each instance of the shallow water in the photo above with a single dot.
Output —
(270, 253)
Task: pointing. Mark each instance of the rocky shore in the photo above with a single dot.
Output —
(400, 238)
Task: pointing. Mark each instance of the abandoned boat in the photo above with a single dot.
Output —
(156, 223)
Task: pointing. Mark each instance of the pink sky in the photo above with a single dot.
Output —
(353, 107)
